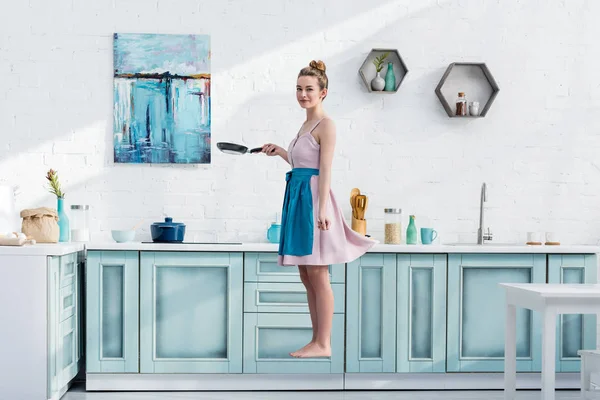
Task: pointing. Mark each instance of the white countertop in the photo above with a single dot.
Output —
(41, 249)
(59, 249)
(378, 248)
(577, 290)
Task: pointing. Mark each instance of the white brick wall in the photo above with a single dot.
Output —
(536, 149)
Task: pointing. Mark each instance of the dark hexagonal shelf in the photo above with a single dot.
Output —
(367, 70)
(475, 80)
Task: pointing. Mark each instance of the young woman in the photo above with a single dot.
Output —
(314, 233)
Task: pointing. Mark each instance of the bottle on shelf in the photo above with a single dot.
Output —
(461, 104)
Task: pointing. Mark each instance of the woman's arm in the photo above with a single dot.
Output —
(327, 141)
(271, 149)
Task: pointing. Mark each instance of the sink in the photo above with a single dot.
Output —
(484, 245)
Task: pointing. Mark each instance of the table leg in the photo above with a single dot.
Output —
(548, 354)
(510, 352)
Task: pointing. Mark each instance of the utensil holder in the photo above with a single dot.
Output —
(359, 226)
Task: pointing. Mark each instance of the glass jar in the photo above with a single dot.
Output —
(80, 223)
(393, 225)
(461, 104)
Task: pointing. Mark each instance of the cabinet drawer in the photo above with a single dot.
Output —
(263, 267)
(68, 269)
(284, 297)
(67, 302)
(270, 337)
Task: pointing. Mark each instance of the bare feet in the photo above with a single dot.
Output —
(314, 350)
(295, 353)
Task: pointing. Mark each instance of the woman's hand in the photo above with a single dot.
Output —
(271, 149)
(323, 221)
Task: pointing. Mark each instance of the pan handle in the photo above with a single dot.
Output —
(256, 150)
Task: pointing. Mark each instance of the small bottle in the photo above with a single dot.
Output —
(411, 231)
(393, 225)
(461, 104)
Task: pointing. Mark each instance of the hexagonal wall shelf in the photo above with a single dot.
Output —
(475, 80)
(367, 70)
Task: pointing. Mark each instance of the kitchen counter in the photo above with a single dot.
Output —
(42, 249)
(378, 248)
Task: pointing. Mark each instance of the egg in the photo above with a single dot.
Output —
(22, 235)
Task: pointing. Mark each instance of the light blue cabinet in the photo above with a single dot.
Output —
(371, 314)
(574, 332)
(476, 311)
(191, 312)
(421, 313)
(270, 337)
(112, 283)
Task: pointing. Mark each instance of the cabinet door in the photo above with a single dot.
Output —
(53, 324)
(421, 326)
(270, 337)
(574, 331)
(112, 284)
(67, 351)
(262, 267)
(191, 312)
(371, 314)
(476, 311)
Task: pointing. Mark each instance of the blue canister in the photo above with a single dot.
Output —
(274, 233)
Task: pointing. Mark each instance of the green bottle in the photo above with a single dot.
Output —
(411, 231)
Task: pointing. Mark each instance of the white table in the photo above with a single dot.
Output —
(549, 299)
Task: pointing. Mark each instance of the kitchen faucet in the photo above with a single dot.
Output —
(482, 237)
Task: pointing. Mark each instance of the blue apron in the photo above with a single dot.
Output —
(297, 221)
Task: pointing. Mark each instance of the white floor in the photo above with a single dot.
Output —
(78, 392)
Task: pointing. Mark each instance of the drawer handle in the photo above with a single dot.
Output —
(284, 298)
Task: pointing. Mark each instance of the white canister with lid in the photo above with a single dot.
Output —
(393, 225)
(80, 223)
(9, 217)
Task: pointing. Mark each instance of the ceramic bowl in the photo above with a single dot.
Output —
(123, 236)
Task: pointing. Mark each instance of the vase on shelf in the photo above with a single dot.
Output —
(378, 83)
(63, 221)
(390, 79)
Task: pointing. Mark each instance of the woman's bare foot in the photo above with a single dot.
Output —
(297, 352)
(314, 350)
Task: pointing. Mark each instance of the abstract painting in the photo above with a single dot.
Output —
(161, 98)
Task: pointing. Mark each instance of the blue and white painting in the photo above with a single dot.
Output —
(161, 98)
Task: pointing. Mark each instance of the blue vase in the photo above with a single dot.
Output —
(63, 222)
(390, 79)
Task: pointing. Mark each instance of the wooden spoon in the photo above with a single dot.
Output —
(360, 206)
(353, 193)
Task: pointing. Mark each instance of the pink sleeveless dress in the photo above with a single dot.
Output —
(339, 244)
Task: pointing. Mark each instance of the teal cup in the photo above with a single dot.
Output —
(428, 235)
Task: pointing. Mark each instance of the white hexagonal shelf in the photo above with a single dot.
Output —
(368, 71)
(475, 80)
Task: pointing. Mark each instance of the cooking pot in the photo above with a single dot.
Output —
(168, 231)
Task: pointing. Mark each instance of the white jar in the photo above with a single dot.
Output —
(79, 221)
(474, 108)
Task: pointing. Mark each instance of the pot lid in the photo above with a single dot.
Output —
(168, 222)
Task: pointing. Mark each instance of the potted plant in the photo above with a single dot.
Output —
(63, 221)
(378, 83)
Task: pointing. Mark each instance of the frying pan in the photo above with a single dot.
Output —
(232, 148)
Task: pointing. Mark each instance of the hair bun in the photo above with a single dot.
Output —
(320, 65)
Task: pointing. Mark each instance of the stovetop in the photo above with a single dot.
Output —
(211, 243)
